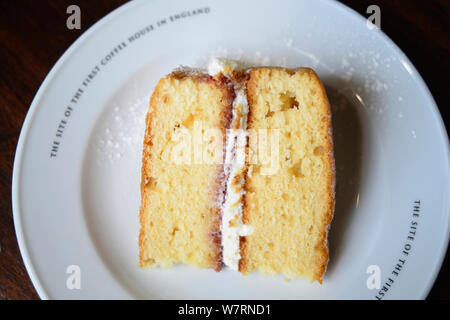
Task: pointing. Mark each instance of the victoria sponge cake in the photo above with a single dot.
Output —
(238, 171)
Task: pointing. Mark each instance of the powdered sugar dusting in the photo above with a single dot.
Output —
(122, 131)
(246, 59)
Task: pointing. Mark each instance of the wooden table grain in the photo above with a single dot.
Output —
(34, 35)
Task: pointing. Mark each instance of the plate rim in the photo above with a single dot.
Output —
(17, 164)
(16, 174)
(415, 74)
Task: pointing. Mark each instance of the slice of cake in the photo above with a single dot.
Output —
(290, 205)
(264, 199)
(180, 191)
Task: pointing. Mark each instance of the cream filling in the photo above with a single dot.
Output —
(232, 226)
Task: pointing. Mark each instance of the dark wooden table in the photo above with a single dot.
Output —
(34, 35)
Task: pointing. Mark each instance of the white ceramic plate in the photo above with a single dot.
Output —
(77, 167)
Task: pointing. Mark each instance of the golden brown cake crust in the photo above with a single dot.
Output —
(322, 259)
